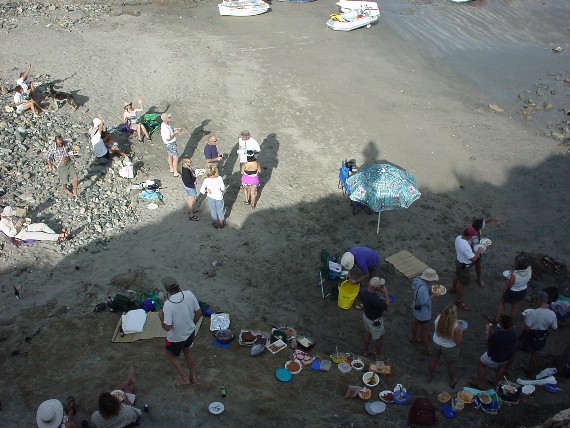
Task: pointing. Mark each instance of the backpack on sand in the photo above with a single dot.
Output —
(422, 413)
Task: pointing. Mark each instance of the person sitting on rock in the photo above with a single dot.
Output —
(34, 231)
(27, 86)
(22, 104)
(115, 413)
(102, 141)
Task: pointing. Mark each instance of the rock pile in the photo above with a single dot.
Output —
(104, 208)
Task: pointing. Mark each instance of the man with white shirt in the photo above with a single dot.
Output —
(102, 141)
(22, 104)
(25, 84)
(169, 139)
(465, 259)
(246, 144)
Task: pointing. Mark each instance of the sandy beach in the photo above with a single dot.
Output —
(414, 90)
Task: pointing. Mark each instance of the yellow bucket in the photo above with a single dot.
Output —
(347, 292)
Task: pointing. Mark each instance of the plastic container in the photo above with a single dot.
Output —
(325, 365)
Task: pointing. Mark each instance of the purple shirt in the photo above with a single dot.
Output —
(210, 152)
(365, 258)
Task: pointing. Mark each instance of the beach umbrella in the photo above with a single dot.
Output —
(383, 187)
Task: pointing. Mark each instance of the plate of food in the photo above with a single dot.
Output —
(484, 397)
(294, 366)
(344, 367)
(370, 379)
(387, 396)
(276, 346)
(357, 365)
(216, 408)
(199, 171)
(466, 396)
(462, 324)
(485, 241)
(365, 393)
(246, 337)
(444, 397)
(438, 289)
(118, 394)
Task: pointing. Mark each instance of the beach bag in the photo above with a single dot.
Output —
(149, 302)
(422, 413)
(127, 170)
(122, 304)
(347, 292)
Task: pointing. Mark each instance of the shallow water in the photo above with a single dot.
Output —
(501, 48)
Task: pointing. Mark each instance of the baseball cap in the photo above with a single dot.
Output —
(170, 283)
(542, 296)
(470, 231)
(347, 260)
(376, 282)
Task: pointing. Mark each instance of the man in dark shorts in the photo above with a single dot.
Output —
(464, 261)
(179, 316)
(59, 154)
(374, 306)
(536, 324)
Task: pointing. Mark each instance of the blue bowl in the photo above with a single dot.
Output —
(283, 375)
(447, 411)
(401, 397)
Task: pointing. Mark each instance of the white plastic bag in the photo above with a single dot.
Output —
(546, 372)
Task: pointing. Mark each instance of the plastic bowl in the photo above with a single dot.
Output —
(401, 397)
(528, 389)
(370, 379)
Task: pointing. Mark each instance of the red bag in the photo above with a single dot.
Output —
(422, 413)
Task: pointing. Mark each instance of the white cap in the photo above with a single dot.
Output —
(347, 260)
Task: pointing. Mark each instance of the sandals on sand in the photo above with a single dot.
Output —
(462, 305)
(193, 218)
(215, 225)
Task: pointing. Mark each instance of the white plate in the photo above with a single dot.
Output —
(241, 151)
(296, 361)
(506, 273)
(152, 206)
(118, 394)
(377, 407)
(386, 391)
(199, 171)
(485, 241)
(216, 408)
(440, 287)
(462, 324)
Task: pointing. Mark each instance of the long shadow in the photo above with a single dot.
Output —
(370, 153)
(232, 179)
(269, 160)
(270, 277)
(194, 139)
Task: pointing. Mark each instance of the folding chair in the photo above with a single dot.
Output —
(324, 277)
(150, 122)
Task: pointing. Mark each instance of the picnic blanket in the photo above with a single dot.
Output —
(152, 328)
(407, 263)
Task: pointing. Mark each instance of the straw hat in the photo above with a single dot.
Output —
(49, 414)
(429, 275)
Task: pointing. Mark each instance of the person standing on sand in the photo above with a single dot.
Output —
(189, 184)
(214, 187)
(213, 157)
(446, 338)
(178, 317)
(516, 284)
(169, 139)
(59, 152)
(374, 307)
(465, 258)
(246, 144)
(478, 225)
(421, 307)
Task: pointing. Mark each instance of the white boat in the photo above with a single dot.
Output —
(352, 20)
(242, 7)
(348, 5)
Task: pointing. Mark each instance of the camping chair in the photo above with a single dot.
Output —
(150, 122)
(343, 174)
(325, 276)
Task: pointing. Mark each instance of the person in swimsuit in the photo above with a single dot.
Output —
(250, 179)
(131, 119)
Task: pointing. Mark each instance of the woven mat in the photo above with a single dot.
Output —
(406, 262)
(152, 328)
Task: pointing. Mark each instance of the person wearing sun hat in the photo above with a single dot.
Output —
(51, 414)
(362, 264)
(464, 261)
(421, 306)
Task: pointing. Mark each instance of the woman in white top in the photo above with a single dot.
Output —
(517, 283)
(131, 119)
(214, 186)
(446, 337)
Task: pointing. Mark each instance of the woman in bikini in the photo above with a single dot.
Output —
(131, 119)
(250, 179)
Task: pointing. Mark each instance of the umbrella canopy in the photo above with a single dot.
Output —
(383, 187)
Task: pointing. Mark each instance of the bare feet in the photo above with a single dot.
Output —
(193, 379)
(182, 381)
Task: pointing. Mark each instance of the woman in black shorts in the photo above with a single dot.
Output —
(517, 283)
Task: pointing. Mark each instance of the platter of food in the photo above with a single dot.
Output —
(365, 393)
(370, 379)
(387, 396)
(444, 397)
(466, 396)
(485, 241)
(302, 357)
(305, 342)
(294, 366)
(276, 346)
(438, 289)
(118, 394)
(484, 397)
(246, 337)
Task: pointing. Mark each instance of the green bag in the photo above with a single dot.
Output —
(123, 304)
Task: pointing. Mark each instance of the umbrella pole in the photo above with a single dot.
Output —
(378, 225)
